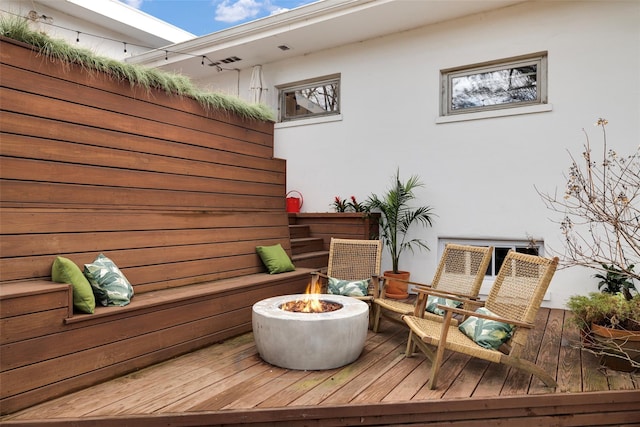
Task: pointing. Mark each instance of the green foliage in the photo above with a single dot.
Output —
(615, 280)
(342, 205)
(606, 309)
(138, 76)
(397, 216)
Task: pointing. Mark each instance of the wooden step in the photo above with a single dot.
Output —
(299, 231)
(317, 259)
(306, 244)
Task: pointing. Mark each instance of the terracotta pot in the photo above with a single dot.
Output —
(395, 289)
(627, 341)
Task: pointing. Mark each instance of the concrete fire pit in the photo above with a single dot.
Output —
(310, 341)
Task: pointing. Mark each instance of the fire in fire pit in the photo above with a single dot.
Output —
(311, 303)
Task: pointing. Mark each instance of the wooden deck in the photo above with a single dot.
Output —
(229, 384)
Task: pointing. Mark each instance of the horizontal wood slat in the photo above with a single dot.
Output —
(93, 242)
(90, 96)
(58, 162)
(55, 130)
(47, 220)
(13, 54)
(70, 112)
(63, 195)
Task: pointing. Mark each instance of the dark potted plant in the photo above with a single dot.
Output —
(397, 216)
(614, 280)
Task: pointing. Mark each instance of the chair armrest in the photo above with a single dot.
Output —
(376, 290)
(467, 313)
(416, 285)
(323, 285)
(317, 274)
(408, 282)
(457, 297)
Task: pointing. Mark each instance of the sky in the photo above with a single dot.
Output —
(202, 17)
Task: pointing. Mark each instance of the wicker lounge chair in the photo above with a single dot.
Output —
(460, 272)
(352, 260)
(514, 299)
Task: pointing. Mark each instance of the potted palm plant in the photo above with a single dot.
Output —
(397, 216)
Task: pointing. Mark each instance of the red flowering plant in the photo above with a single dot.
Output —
(340, 205)
(356, 206)
(352, 205)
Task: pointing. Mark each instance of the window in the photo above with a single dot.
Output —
(508, 83)
(312, 98)
(500, 250)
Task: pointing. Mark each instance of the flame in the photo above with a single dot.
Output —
(310, 303)
(312, 299)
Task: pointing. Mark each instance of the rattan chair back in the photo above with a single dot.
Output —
(462, 269)
(351, 259)
(519, 289)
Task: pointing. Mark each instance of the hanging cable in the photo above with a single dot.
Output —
(47, 20)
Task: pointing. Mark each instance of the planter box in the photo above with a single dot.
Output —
(620, 344)
(343, 225)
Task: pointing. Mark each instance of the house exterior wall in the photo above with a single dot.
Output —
(480, 175)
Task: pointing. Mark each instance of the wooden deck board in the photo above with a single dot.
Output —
(230, 376)
(569, 360)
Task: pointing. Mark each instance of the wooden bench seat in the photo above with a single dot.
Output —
(46, 353)
(251, 287)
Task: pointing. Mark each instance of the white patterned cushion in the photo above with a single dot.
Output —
(351, 288)
(108, 283)
(486, 333)
(433, 301)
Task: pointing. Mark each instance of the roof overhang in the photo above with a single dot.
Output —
(311, 28)
(124, 19)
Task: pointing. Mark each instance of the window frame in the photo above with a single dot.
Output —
(516, 244)
(305, 84)
(540, 59)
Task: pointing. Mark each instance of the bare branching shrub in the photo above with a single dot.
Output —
(600, 222)
(600, 209)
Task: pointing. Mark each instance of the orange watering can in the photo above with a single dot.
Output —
(294, 203)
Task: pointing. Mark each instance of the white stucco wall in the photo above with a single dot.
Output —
(479, 175)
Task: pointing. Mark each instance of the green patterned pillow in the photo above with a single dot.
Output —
(109, 284)
(486, 333)
(275, 259)
(350, 288)
(64, 270)
(433, 301)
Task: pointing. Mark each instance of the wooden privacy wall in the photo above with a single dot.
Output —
(87, 164)
(177, 196)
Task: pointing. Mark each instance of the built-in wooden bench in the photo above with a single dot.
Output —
(176, 195)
